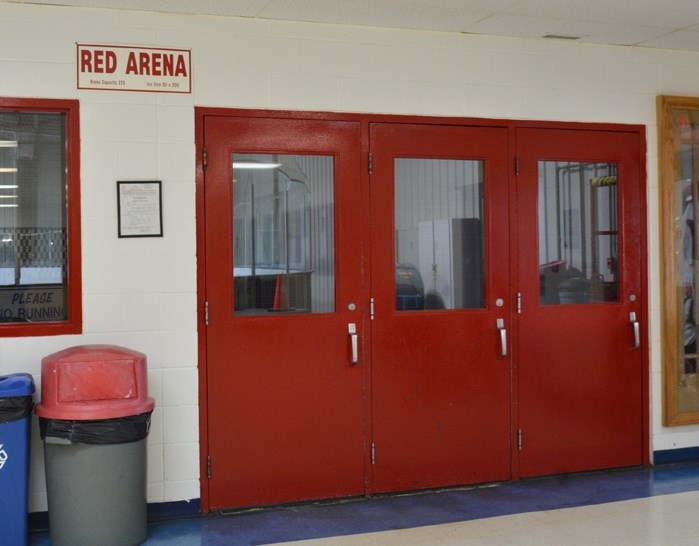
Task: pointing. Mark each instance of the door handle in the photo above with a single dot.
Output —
(352, 330)
(503, 337)
(636, 330)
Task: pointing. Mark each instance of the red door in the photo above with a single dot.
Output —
(285, 413)
(441, 309)
(580, 279)
(487, 301)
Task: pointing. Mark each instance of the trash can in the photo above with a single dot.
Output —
(16, 402)
(94, 418)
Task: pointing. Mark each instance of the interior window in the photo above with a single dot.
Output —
(35, 179)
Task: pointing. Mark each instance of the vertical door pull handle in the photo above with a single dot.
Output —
(503, 337)
(352, 329)
(636, 330)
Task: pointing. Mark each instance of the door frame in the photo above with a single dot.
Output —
(201, 113)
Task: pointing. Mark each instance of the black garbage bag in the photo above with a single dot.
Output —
(14, 408)
(121, 430)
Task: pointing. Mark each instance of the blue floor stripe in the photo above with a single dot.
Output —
(310, 521)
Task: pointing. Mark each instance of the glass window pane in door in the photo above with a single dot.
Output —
(578, 232)
(439, 235)
(283, 234)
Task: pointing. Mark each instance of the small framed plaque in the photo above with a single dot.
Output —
(140, 209)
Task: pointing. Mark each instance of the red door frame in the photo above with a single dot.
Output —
(365, 119)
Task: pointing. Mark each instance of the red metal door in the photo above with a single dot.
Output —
(285, 410)
(580, 245)
(441, 306)
(448, 239)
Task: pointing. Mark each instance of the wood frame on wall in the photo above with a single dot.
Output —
(678, 127)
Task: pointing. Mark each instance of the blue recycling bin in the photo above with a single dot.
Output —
(16, 403)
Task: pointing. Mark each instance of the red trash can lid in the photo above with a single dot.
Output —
(91, 382)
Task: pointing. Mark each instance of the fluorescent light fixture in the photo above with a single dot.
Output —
(253, 165)
(15, 205)
(8, 143)
(8, 169)
(8, 186)
(8, 197)
(561, 37)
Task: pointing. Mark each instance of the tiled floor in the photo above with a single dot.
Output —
(657, 506)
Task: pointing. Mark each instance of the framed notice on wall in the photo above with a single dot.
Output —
(140, 209)
(134, 68)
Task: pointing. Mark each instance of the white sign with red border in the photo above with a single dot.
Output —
(134, 68)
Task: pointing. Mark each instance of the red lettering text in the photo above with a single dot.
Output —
(156, 64)
(98, 61)
(144, 67)
(131, 66)
(157, 57)
(181, 69)
(85, 61)
(167, 64)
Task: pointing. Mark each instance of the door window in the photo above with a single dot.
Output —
(439, 234)
(283, 234)
(578, 242)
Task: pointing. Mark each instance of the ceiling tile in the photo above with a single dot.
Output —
(537, 27)
(451, 15)
(672, 24)
(661, 13)
(680, 39)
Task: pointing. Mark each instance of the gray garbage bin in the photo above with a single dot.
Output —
(94, 418)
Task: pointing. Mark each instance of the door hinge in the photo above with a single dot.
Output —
(373, 453)
(371, 308)
(519, 303)
(517, 165)
(519, 439)
(371, 163)
(208, 467)
(206, 313)
(205, 159)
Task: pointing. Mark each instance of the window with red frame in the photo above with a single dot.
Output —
(39, 218)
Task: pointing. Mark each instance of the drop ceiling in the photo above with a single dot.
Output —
(665, 24)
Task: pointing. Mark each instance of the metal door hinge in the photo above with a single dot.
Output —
(206, 313)
(373, 453)
(519, 439)
(208, 467)
(371, 308)
(205, 159)
(519, 303)
(517, 165)
(371, 163)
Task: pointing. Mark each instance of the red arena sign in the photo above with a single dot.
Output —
(129, 68)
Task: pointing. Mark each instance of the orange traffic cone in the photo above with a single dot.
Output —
(280, 300)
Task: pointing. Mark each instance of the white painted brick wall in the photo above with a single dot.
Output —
(142, 293)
